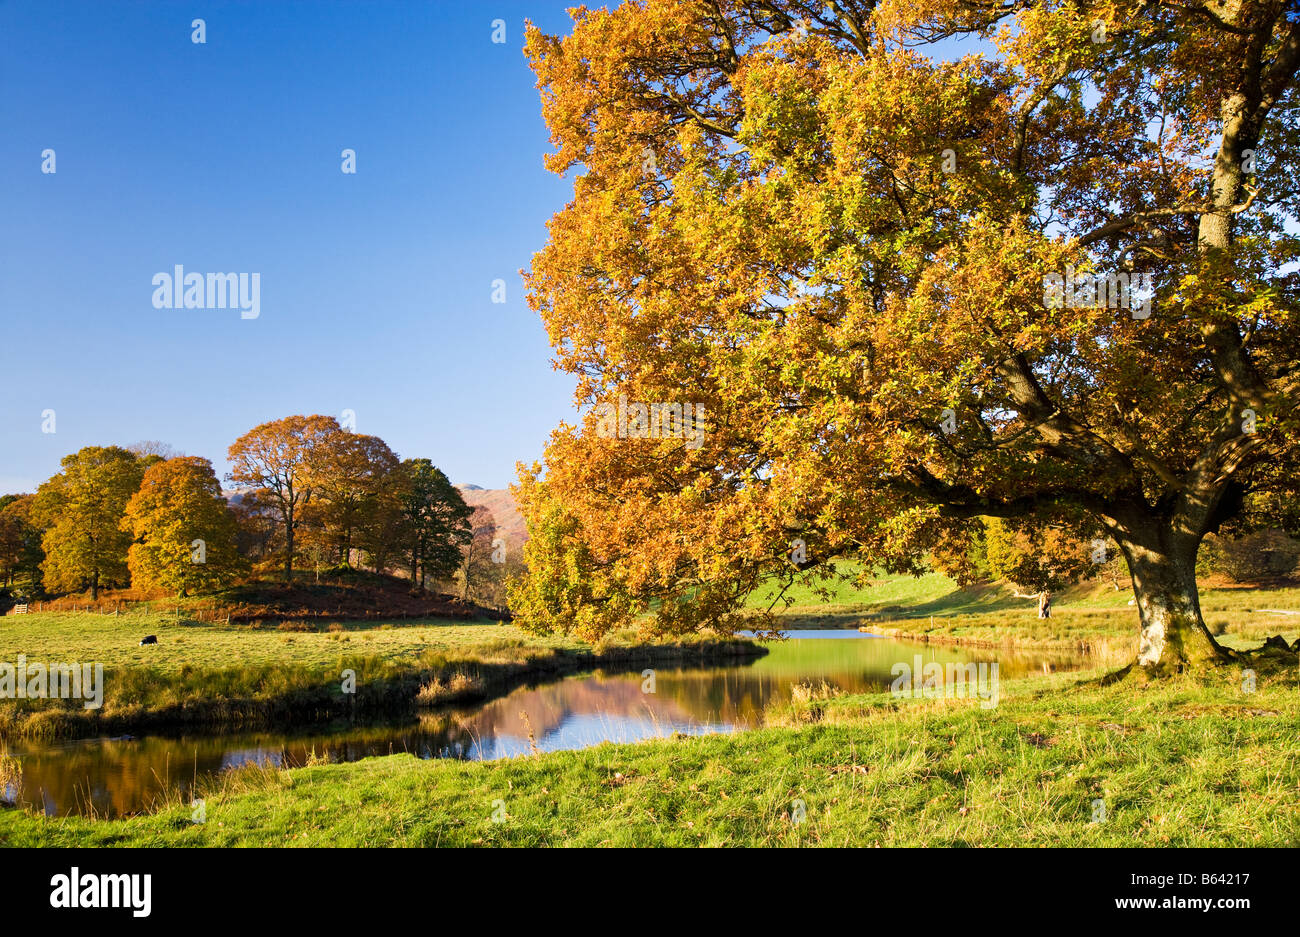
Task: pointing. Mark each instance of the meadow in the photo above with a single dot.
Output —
(1090, 616)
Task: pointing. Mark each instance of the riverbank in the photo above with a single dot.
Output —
(1110, 635)
(1061, 760)
(217, 677)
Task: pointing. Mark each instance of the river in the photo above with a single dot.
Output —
(113, 777)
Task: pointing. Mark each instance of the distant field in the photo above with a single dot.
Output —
(1088, 613)
(114, 641)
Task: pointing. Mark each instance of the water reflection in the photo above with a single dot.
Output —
(116, 777)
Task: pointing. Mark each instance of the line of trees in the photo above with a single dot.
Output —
(305, 488)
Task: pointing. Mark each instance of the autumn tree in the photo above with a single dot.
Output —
(435, 522)
(81, 510)
(962, 553)
(876, 272)
(1040, 558)
(258, 525)
(350, 473)
(20, 540)
(184, 533)
(381, 537)
(275, 460)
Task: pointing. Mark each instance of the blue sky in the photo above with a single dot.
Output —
(225, 157)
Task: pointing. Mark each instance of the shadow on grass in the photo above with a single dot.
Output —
(983, 598)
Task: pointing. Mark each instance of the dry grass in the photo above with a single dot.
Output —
(457, 686)
(808, 692)
(11, 777)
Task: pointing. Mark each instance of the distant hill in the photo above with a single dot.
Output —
(510, 523)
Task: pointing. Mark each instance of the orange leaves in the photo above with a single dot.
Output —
(843, 248)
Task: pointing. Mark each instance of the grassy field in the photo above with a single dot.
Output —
(226, 676)
(1185, 762)
(1091, 615)
(114, 641)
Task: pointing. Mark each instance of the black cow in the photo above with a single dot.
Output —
(150, 639)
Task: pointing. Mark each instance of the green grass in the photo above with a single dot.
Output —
(114, 641)
(1189, 761)
(839, 602)
(1235, 618)
(932, 593)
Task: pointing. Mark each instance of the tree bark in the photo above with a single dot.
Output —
(288, 547)
(1173, 635)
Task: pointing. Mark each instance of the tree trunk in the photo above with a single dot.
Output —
(1173, 635)
(94, 587)
(288, 551)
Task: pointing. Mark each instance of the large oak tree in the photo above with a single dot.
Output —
(277, 461)
(837, 234)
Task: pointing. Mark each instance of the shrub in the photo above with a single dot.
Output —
(437, 691)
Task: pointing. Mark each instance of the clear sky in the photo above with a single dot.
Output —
(225, 157)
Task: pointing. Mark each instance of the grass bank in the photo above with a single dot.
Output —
(1187, 761)
(218, 677)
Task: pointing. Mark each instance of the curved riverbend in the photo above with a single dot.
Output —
(110, 777)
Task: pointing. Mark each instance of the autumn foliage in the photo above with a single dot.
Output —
(838, 238)
(183, 532)
(81, 509)
(305, 486)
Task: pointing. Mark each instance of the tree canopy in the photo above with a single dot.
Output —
(276, 459)
(435, 521)
(81, 510)
(185, 536)
(910, 289)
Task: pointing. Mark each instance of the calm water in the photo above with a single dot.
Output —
(115, 777)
